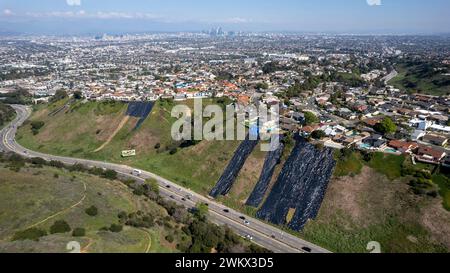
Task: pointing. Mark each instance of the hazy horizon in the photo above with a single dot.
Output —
(77, 17)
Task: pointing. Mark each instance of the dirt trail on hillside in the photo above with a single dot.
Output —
(110, 138)
(62, 211)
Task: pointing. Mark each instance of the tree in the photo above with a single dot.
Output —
(60, 226)
(387, 126)
(29, 234)
(78, 232)
(110, 174)
(115, 228)
(59, 95)
(92, 211)
(36, 126)
(310, 118)
(154, 186)
(77, 95)
(201, 211)
(318, 134)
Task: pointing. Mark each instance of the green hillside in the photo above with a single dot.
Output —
(422, 77)
(35, 198)
(83, 127)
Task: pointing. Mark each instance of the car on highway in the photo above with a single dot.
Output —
(306, 249)
(168, 186)
(136, 172)
(173, 197)
(247, 223)
(183, 199)
(248, 237)
(242, 217)
(226, 210)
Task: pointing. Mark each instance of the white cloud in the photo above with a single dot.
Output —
(73, 2)
(374, 2)
(82, 14)
(237, 20)
(7, 12)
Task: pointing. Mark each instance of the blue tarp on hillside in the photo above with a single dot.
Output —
(140, 110)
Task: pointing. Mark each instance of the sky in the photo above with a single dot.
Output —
(120, 16)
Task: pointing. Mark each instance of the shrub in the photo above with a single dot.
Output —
(29, 234)
(38, 161)
(36, 125)
(110, 174)
(115, 228)
(79, 232)
(169, 238)
(60, 226)
(92, 211)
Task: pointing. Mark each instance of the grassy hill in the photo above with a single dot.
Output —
(421, 77)
(38, 197)
(84, 127)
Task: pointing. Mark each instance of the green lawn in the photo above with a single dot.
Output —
(444, 189)
(350, 165)
(390, 165)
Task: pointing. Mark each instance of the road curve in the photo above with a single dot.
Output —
(263, 234)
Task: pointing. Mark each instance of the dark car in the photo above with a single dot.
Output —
(168, 186)
(226, 210)
(306, 249)
(242, 218)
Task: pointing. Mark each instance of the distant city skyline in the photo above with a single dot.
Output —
(115, 16)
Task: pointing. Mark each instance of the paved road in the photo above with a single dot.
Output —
(390, 76)
(263, 234)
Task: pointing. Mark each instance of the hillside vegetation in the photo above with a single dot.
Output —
(43, 208)
(82, 128)
(422, 77)
(7, 113)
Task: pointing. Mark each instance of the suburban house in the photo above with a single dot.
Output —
(429, 155)
(403, 146)
(375, 141)
(435, 139)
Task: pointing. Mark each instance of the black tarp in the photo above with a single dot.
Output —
(223, 186)
(272, 160)
(301, 185)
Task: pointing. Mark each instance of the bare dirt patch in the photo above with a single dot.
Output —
(365, 198)
(437, 221)
(118, 128)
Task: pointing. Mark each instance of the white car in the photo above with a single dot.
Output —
(249, 237)
(247, 223)
(136, 172)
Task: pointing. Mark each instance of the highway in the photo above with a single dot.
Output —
(261, 233)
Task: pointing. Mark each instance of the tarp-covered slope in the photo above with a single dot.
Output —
(301, 186)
